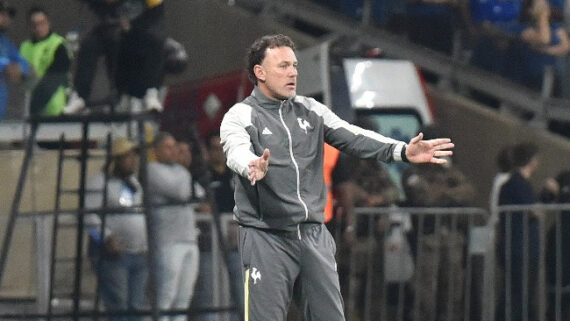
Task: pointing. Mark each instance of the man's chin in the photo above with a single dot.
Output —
(288, 95)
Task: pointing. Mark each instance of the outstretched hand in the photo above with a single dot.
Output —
(428, 151)
(258, 167)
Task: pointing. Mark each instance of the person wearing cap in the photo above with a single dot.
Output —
(13, 66)
(47, 53)
(118, 241)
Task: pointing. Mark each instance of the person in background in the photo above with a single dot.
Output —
(172, 227)
(363, 183)
(185, 158)
(513, 228)
(101, 41)
(13, 66)
(557, 190)
(47, 53)
(505, 164)
(141, 54)
(331, 156)
(118, 241)
(545, 44)
(439, 241)
(222, 186)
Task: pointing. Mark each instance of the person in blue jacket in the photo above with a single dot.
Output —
(12, 65)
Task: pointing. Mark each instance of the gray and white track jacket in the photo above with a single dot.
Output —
(294, 130)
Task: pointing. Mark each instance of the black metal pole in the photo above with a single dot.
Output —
(17, 198)
(147, 208)
(55, 224)
(103, 215)
(80, 219)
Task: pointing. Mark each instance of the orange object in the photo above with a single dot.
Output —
(153, 3)
(329, 162)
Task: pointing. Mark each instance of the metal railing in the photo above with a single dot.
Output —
(404, 264)
(395, 266)
(457, 264)
(89, 307)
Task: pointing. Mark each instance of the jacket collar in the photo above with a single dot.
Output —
(36, 40)
(267, 102)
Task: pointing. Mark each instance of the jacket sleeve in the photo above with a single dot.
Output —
(355, 140)
(15, 57)
(94, 200)
(55, 76)
(172, 185)
(235, 139)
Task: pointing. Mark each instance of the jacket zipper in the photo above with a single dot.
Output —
(296, 167)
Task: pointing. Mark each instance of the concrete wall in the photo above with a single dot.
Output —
(39, 195)
(479, 133)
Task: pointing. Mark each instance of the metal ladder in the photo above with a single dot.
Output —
(46, 286)
(56, 261)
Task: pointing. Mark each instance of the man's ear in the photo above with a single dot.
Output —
(259, 72)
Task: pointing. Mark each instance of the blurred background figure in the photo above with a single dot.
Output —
(101, 41)
(557, 190)
(513, 227)
(118, 242)
(222, 187)
(173, 233)
(362, 183)
(141, 54)
(505, 165)
(12, 65)
(545, 44)
(49, 57)
(440, 242)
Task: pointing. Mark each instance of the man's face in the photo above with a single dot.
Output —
(4, 20)
(128, 162)
(39, 24)
(184, 154)
(216, 152)
(166, 151)
(277, 73)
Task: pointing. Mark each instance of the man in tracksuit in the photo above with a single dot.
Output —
(285, 248)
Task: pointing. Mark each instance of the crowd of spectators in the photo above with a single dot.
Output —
(513, 38)
(124, 250)
(131, 37)
(440, 244)
(517, 39)
(59, 75)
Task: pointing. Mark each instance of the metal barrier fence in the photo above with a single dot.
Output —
(533, 255)
(402, 264)
(412, 264)
(35, 304)
(457, 264)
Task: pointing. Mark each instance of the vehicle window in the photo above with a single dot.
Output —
(399, 125)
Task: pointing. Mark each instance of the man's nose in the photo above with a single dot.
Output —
(293, 71)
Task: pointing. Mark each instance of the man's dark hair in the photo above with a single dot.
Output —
(160, 137)
(36, 9)
(505, 159)
(256, 53)
(5, 7)
(212, 134)
(523, 153)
